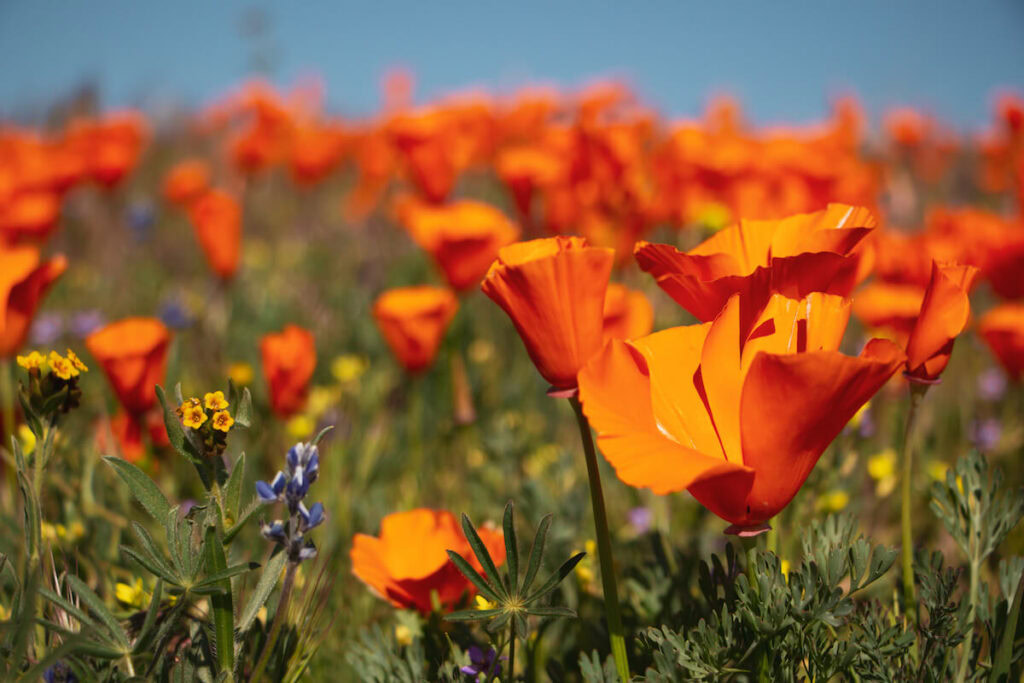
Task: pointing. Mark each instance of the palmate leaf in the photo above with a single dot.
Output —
(474, 576)
(536, 552)
(473, 614)
(96, 606)
(150, 620)
(556, 578)
(483, 556)
(511, 549)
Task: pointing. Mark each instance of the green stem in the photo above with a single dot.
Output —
(917, 392)
(280, 616)
(961, 674)
(7, 424)
(512, 650)
(604, 546)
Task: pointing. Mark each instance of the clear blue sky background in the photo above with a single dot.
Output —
(783, 59)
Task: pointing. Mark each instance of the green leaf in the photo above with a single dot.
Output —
(66, 649)
(153, 568)
(1004, 654)
(536, 553)
(147, 624)
(482, 555)
(142, 487)
(320, 435)
(473, 576)
(68, 607)
(96, 606)
(149, 547)
(233, 488)
(221, 604)
(511, 548)
(269, 578)
(550, 612)
(252, 509)
(219, 577)
(243, 409)
(473, 614)
(557, 577)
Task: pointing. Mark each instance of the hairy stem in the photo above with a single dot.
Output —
(604, 547)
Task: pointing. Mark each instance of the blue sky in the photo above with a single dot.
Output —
(782, 59)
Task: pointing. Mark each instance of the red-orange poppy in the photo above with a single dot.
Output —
(736, 414)
(24, 280)
(217, 220)
(128, 432)
(289, 358)
(1002, 328)
(553, 289)
(793, 256)
(945, 311)
(133, 355)
(463, 237)
(408, 562)
(29, 216)
(889, 307)
(413, 321)
(627, 313)
(186, 180)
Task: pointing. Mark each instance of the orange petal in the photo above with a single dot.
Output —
(944, 314)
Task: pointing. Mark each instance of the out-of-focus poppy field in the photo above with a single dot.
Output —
(535, 384)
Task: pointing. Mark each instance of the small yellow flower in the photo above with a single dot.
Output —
(27, 438)
(483, 603)
(215, 401)
(77, 362)
(5, 613)
(61, 366)
(75, 530)
(33, 361)
(834, 500)
(784, 567)
(192, 414)
(222, 420)
(937, 470)
(240, 373)
(858, 417)
(262, 615)
(882, 465)
(132, 594)
(348, 367)
(321, 399)
(481, 351)
(48, 532)
(300, 426)
(403, 635)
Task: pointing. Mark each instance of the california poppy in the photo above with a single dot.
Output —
(186, 180)
(889, 307)
(24, 280)
(627, 313)
(736, 414)
(553, 289)
(413, 321)
(1002, 328)
(408, 561)
(133, 355)
(289, 358)
(945, 311)
(29, 216)
(793, 256)
(462, 237)
(217, 220)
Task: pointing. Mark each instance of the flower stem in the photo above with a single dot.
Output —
(511, 650)
(279, 619)
(604, 546)
(7, 424)
(917, 392)
(961, 674)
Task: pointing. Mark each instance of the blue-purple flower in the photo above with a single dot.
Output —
(290, 486)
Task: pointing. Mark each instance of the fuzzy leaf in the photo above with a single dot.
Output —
(482, 555)
(142, 487)
(269, 578)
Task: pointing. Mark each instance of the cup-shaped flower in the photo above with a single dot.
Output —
(24, 280)
(889, 307)
(463, 237)
(408, 561)
(944, 314)
(738, 415)
(794, 256)
(1002, 328)
(627, 313)
(187, 180)
(217, 220)
(553, 289)
(289, 358)
(413, 321)
(133, 355)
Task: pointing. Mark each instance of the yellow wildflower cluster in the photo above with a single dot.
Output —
(193, 412)
(135, 595)
(59, 533)
(882, 468)
(63, 367)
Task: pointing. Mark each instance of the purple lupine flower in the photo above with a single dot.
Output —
(290, 486)
(174, 315)
(987, 433)
(480, 661)
(991, 384)
(86, 322)
(46, 329)
(640, 519)
(140, 218)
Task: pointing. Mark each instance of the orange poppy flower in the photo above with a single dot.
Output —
(553, 289)
(627, 313)
(524, 170)
(186, 180)
(738, 415)
(793, 256)
(462, 237)
(29, 215)
(1002, 328)
(889, 307)
(945, 311)
(408, 561)
(289, 358)
(128, 431)
(413, 321)
(217, 220)
(24, 281)
(133, 355)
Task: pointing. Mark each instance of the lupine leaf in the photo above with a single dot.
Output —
(474, 576)
(269, 578)
(86, 595)
(482, 555)
(557, 577)
(536, 553)
(142, 487)
(511, 549)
